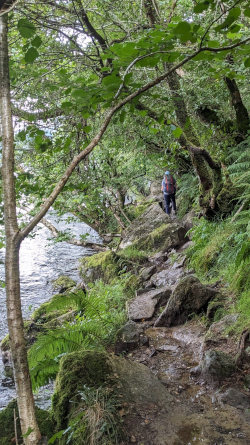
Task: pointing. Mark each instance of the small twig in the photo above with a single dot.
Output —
(15, 426)
(131, 66)
(216, 19)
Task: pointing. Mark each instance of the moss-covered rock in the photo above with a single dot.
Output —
(77, 369)
(63, 283)
(7, 433)
(125, 383)
(102, 266)
(162, 238)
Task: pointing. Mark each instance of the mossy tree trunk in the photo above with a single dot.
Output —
(242, 116)
(216, 195)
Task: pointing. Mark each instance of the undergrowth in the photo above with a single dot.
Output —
(94, 420)
(221, 249)
(100, 315)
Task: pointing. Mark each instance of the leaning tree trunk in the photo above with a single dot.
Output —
(25, 399)
(216, 194)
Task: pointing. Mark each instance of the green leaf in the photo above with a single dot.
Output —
(37, 41)
(66, 105)
(232, 16)
(55, 437)
(247, 12)
(177, 132)
(79, 93)
(87, 128)
(122, 116)
(247, 63)
(200, 7)
(182, 28)
(31, 55)
(26, 28)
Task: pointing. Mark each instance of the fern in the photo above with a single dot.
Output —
(240, 169)
(102, 313)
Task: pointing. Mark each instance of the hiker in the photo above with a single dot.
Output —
(168, 187)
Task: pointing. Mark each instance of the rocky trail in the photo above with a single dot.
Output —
(199, 396)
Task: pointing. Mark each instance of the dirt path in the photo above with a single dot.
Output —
(196, 415)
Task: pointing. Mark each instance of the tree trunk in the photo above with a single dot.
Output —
(242, 117)
(25, 399)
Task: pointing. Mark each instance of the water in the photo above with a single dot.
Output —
(41, 262)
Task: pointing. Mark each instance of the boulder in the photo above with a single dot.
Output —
(153, 230)
(125, 383)
(216, 366)
(129, 337)
(143, 306)
(101, 266)
(190, 296)
(166, 277)
(63, 283)
(236, 398)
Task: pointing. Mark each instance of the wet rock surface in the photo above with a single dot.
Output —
(189, 297)
(196, 415)
(143, 306)
(216, 366)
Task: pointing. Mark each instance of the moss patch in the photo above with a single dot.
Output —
(102, 266)
(63, 283)
(162, 238)
(7, 434)
(77, 370)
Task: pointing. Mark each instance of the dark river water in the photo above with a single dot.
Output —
(41, 262)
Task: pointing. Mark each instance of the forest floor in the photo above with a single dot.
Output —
(200, 413)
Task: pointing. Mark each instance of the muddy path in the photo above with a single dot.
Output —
(197, 413)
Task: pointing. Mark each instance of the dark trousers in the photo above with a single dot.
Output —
(169, 199)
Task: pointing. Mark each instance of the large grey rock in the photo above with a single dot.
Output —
(143, 230)
(189, 297)
(235, 398)
(143, 306)
(169, 276)
(216, 366)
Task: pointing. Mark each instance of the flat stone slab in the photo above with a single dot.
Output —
(169, 276)
(143, 306)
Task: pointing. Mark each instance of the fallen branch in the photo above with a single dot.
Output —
(55, 232)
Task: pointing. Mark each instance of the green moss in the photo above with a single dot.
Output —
(133, 254)
(63, 282)
(131, 284)
(102, 266)
(159, 239)
(77, 370)
(7, 434)
(137, 210)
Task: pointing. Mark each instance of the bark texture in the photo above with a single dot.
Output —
(242, 116)
(25, 399)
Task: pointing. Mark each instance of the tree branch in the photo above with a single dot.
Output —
(82, 155)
